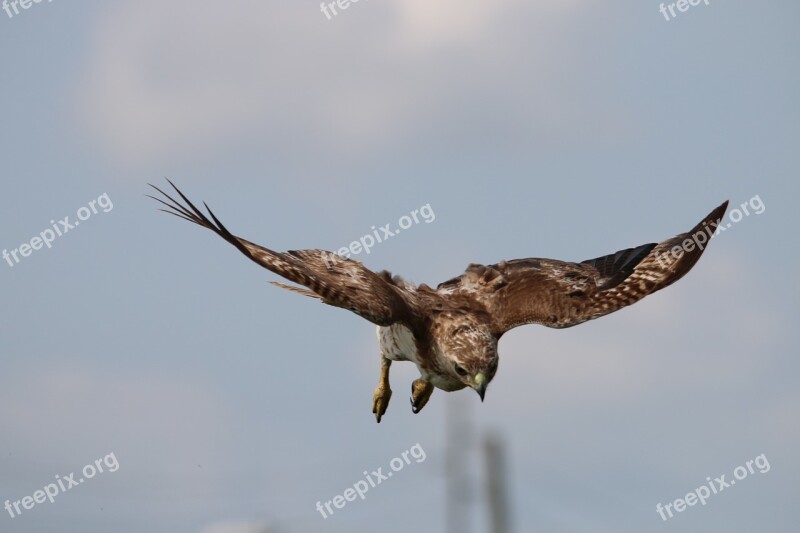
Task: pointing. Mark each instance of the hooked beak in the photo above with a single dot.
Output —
(480, 384)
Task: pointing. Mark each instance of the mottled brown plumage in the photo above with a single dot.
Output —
(451, 332)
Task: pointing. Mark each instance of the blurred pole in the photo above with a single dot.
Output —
(458, 443)
(496, 486)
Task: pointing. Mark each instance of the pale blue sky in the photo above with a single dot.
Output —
(557, 129)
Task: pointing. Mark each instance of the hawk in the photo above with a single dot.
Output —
(451, 332)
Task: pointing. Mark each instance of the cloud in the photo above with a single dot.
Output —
(178, 77)
(427, 25)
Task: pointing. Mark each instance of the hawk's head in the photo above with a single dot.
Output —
(469, 352)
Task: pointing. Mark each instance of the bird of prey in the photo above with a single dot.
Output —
(451, 332)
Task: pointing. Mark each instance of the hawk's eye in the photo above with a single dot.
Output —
(461, 371)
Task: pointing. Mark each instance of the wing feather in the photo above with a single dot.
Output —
(561, 294)
(337, 281)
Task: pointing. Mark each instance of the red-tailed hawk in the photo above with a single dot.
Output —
(451, 332)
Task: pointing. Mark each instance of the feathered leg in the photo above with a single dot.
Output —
(382, 394)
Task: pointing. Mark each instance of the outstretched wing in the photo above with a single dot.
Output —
(560, 294)
(335, 280)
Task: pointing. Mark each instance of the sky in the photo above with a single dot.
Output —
(214, 402)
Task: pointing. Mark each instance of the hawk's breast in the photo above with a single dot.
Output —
(397, 343)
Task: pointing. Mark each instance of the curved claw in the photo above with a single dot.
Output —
(421, 391)
(380, 401)
(414, 408)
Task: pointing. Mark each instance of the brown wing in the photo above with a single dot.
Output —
(560, 294)
(335, 280)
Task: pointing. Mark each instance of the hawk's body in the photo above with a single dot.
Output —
(451, 332)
